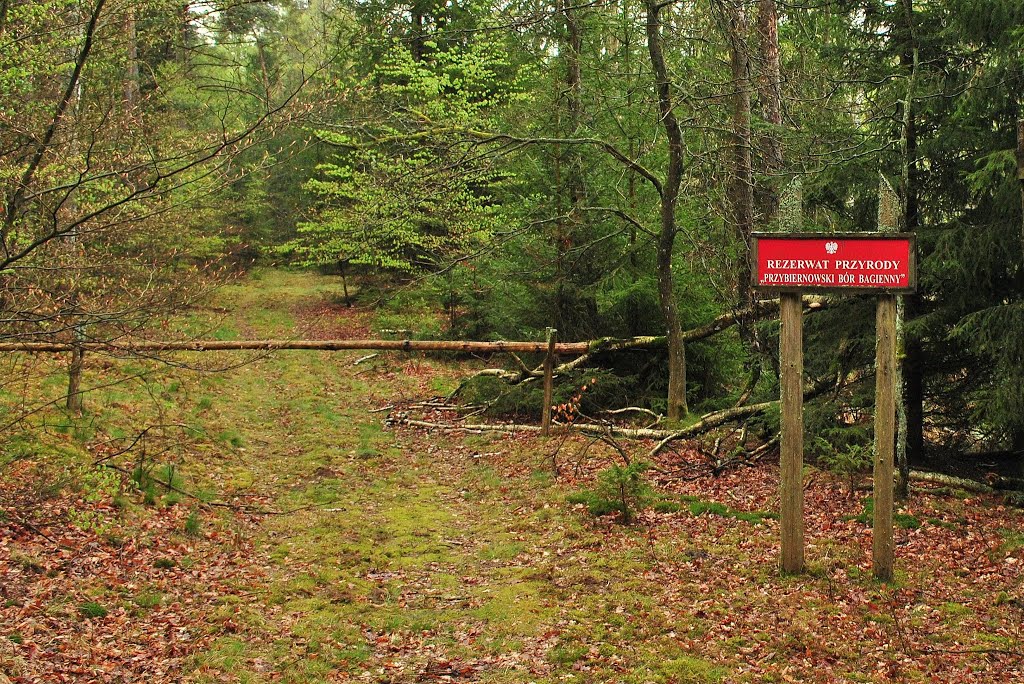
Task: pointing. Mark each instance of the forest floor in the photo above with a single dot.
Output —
(338, 547)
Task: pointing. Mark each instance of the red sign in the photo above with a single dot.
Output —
(857, 262)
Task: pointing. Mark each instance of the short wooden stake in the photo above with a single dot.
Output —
(791, 349)
(885, 435)
(549, 382)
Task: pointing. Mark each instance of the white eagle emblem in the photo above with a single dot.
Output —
(832, 247)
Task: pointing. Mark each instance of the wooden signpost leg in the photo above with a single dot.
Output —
(885, 436)
(792, 489)
(549, 381)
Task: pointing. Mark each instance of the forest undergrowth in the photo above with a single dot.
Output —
(276, 523)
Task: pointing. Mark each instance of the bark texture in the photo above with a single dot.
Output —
(669, 191)
(741, 182)
(770, 105)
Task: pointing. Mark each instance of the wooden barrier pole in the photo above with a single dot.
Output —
(129, 347)
(885, 435)
(791, 348)
(549, 382)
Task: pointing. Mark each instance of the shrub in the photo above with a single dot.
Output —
(192, 524)
(91, 609)
(850, 462)
(149, 484)
(621, 490)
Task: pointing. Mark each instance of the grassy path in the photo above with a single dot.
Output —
(412, 556)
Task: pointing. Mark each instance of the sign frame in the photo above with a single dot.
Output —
(911, 288)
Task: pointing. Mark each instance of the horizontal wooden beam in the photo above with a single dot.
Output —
(144, 346)
(758, 311)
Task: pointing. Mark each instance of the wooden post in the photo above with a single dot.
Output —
(889, 211)
(885, 435)
(791, 349)
(549, 382)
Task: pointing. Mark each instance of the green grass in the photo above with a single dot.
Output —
(148, 599)
(1013, 542)
(714, 508)
(904, 521)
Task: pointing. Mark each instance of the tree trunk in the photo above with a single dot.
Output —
(913, 399)
(74, 400)
(1017, 439)
(131, 81)
(416, 43)
(261, 52)
(770, 102)
(677, 407)
(342, 263)
(187, 31)
(741, 182)
(627, 28)
(910, 410)
(137, 347)
(1020, 177)
(570, 185)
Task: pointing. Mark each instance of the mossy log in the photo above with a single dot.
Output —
(950, 481)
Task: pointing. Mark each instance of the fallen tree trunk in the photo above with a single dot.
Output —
(758, 311)
(142, 346)
(950, 481)
(603, 345)
(511, 428)
(583, 350)
(1006, 487)
(707, 422)
(993, 483)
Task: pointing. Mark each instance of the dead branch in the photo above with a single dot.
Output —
(635, 409)
(710, 421)
(755, 376)
(512, 428)
(707, 422)
(763, 450)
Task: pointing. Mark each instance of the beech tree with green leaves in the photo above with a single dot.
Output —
(404, 190)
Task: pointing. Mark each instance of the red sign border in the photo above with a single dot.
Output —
(911, 288)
